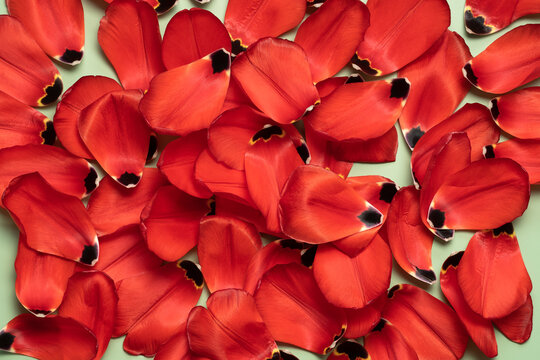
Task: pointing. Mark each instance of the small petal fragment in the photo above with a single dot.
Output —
(189, 97)
(391, 41)
(191, 35)
(275, 74)
(230, 328)
(518, 113)
(521, 61)
(68, 232)
(56, 25)
(295, 310)
(50, 338)
(492, 275)
(34, 80)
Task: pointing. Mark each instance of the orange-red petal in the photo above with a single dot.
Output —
(385, 342)
(484, 17)
(518, 325)
(524, 152)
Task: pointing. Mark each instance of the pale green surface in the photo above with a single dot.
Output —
(94, 63)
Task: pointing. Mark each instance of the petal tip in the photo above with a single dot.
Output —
(71, 57)
(193, 272)
(6, 340)
(152, 148)
(445, 234)
(40, 313)
(488, 152)
(507, 229)
(436, 218)
(352, 349)
(427, 276)
(164, 6)
(476, 25)
(452, 260)
(400, 88)
(370, 217)
(469, 74)
(52, 92)
(388, 191)
(129, 180)
(494, 109)
(49, 134)
(221, 60)
(413, 135)
(364, 65)
(90, 254)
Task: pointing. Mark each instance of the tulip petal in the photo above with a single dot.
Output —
(518, 325)
(385, 342)
(483, 17)
(349, 350)
(361, 321)
(524, 152)
(376, 150)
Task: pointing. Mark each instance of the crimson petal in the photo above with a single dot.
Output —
(361, 321)
(524, 152)
(35, 80)
(484, 17)
(69, 232)
(231, 208)
(161, 6)
(385, 342)
(50, 338)
(177, 348)
(376, 150)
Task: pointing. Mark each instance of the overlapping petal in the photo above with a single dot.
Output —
(484, 17)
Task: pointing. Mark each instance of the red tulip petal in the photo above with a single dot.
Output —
(221, 179)
(295, 310)
(321, 150)
(116, 134)
(318, 206)
(83, 93)
(483, 17)
(518, 325)
(113, 206)
(377, 103)
(385, 342)
(41, 279)
(446, 89)
(472, 119)
(68, 232)
(275, 74)
(250, 21)
(21, 125)
(492, 275)
(230, 134)
(235, 97)
(177, 162)
(228, 207)
(518, 113)
(225, 248)
(361, 321)
(177, 348)
(35, 80)
(430, 326)
(230, 328)
(391, 41)
(50, 338)
(327, 86)
(349, 350)
(188, 98)
(269, 162)
(160, 6)
(65, 172)
(152, 318)
(376, 150)
(485, 195)
(408, 238)
(480, 330)
(353, 282)
(91, 300)
(524, 152)
(521, 61)
(278, 252)
(191, 35)
(172, 212)
(130, 38)
(331, 35)
(57, 26)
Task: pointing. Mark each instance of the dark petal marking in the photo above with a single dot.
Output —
(152, 147)
(476, 24)
(90, 254)
(370, 217)
(354, 78)
(413, 136)
(128, 179)
(364, 65)
(340, 335)
(488, 152)
(287, 356)
(387, 192)
(453, 260)
(6, 340)
(506, 228)
(427, 276)
(290, 244)
(267, 133)
(308, 257)
(494, 109)
(400, 88)
(48, 135)
(237, 47)
(393, 290)
(352, 349)
(469, 74)
(40, 312)
(303, 151)
(221, 61)
(436, 217)
(445, 234)
(212, 205)
(165, 5)
(71, 56)
(52, 92)
(275, 356)
(192, 272)
(380, 325)
(90, 181)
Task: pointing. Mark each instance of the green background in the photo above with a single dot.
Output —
(527, 228)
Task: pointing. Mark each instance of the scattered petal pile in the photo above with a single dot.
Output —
(256, 137)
